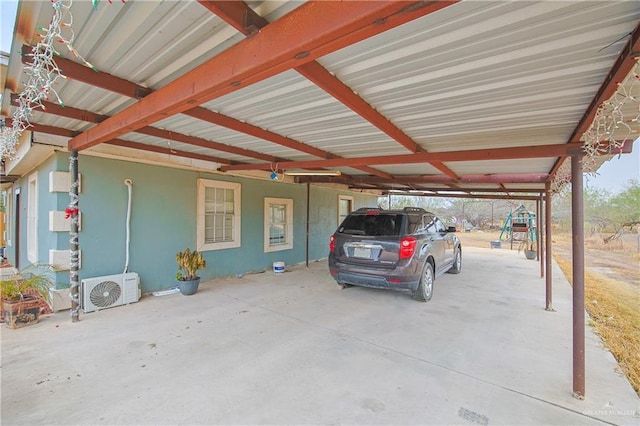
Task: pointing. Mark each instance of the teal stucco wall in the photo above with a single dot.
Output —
(323, 216)
(46, 201)
(163, 220)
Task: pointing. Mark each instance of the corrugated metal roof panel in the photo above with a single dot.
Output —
(475, 75)
(409, 169)
(519, 166)
(291, 105)
(488, 67)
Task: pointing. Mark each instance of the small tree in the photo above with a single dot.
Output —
(624, 210)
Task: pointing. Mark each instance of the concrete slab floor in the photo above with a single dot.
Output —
(292, 348)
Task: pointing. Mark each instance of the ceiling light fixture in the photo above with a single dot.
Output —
(313, 172)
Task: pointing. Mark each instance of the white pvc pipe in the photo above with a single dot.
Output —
(129, 184)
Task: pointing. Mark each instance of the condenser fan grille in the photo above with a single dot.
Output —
(105, 294)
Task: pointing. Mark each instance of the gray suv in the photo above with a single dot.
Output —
(394, 249)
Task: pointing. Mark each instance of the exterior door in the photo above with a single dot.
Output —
(16, 233)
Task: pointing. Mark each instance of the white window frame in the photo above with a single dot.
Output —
(32, 219)
(340, 198)
(288, 244)
(203, 184)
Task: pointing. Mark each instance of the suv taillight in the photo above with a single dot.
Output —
(332, 244)
(407, 247)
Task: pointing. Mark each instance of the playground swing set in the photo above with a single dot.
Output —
(520, 227)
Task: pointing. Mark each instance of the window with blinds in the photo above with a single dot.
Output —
(218, 215)
(278, 224)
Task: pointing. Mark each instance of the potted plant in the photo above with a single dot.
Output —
(189, 262)
(23, 294)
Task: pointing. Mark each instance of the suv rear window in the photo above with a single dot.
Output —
(372, 224)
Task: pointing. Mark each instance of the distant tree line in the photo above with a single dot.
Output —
(470, 213)
(607, 213)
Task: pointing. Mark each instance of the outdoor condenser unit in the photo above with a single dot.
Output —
(109, 291)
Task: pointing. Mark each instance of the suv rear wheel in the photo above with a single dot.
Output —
(425, 287)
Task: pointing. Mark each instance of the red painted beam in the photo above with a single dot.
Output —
(490, 178)
(310, 31)
(124, 87)
(83, 115)
(50, 130)
(66, 111)
(537, 151)
(446, 192)
(427, 193)
(319, 75)
(168, 151)
(622, 66)
(75, 71)
(204, 143)
(373, 182)
(237, 14)
(322, 78)
(258, 132)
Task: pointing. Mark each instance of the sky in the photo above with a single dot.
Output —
(8, 13)
(613, 175)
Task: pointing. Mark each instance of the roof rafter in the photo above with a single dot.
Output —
(622, 66)
(249, 129)
(536, 151)
(59, 131)
(513, 153)
(322, 78)
(429, 179)
(75, 71)
(239, 15)
(427, 193)
(320, 28)
(88, 116)
(50, 130)
(66, 111)
(168, 151)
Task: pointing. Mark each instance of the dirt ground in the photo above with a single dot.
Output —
(619, 260)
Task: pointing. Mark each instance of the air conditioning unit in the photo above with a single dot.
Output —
(109, 291)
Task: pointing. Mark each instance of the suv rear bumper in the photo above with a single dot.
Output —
(376, 281)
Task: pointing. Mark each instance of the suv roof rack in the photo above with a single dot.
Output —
(379, 209)
(368, 209)
(414, 209)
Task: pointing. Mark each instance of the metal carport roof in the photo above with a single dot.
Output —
(418, 95)
(380, 90)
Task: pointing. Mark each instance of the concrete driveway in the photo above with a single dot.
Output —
(292, 348)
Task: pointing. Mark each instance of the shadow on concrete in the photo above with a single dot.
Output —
(292, 348)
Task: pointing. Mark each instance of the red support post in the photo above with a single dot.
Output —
(539, 235)
(548, 243)
(577, 234)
